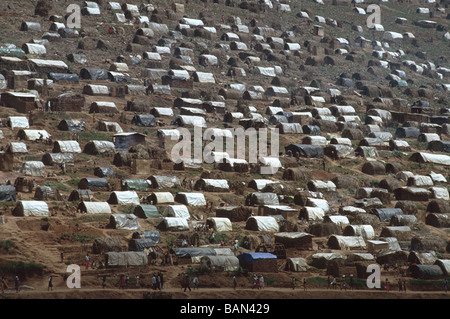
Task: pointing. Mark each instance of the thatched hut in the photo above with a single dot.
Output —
(234, 213)
(402, 233)
(298, 174)
(105, 244)
(428, 243)
(324, 229)
(438, 220)
(407, 206)
(439, 206)
(374, 168)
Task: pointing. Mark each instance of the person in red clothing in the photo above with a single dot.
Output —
(387, 284)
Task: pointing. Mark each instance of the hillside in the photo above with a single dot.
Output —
(263, 57)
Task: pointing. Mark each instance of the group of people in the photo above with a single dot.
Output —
(4, 284)
(258, 281)
(157, 281)
(186, 282)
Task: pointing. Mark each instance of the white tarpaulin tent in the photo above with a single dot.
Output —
(336, 219)
(33, 168)
(173, 224)
(346, 242)
(32, 135)
(312, 213)
(162, 197)
(123, 198)
(259, 184)
(318, 202)
(220, 224)
(95, 207)
(223, 263)
(430, 158)
(180, 211)
(263, 223)
(124, 221)
(16, 147)
(66, 147)
(297, 264)
(191, 199)
(31, 208)
(18, 122)
(365, 231)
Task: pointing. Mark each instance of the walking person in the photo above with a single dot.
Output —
(188, 283)
(404, 285)
(86, 259)
(351, 282)
(293, 283)
(328, 283)
(387, 285)
(304, 284)
(154, 282)
(62, 257)
(195, 281)
(343, 283)
(234, 282)
(122, 282)
(50, 284)
(261, 282)
(446, 285)
(400, 286)
(161, 280)
(17, 284)
(104, 282)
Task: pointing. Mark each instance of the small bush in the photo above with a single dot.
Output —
(21, 269)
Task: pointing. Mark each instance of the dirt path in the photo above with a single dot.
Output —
(223, 294)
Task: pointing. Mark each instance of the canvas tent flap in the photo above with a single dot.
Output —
(265, 223)
(191, 199)
(173, 223)
(95, 207)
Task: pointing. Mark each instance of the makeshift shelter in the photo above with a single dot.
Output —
(126, 259)
(66, 147)
(94, 207)
(365, 231)
(297, 264)
(444, 264)
(346, 242)
(321, 186)
(94, 184)
(258, 262)
(191, 199)
(33, 168)
(263, 199)
(140, 185)
(123, 198)
(438, 220)
(385, 214)
(173, 224)
(26, 208)
(32, 135)
(47, 193)
(7, 193)
(72, 125)
(20, 122)
(312, 213)
(160, 181)
(439, 159)
(99, 148)
(297, 240)
(219, 224)
(161, 198)
(262, 223)
(179, 211)
(144, 120)
(81, 195)
(426, 271)
(423, 258)
(106, 244)
(321, 260)
(306, 150)
(211, 185)
(234, 213)
(402, 233)
(429, 243)
(412, 193)
(124, 221)
(146, 211)
(403, 220)
(220, 263)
